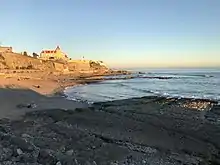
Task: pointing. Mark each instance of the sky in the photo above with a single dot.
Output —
(122, 33)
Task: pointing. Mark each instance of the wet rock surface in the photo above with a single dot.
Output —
(148, 130)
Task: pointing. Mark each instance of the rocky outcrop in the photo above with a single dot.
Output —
(148, 130)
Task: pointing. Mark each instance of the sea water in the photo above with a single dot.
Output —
(190, 83)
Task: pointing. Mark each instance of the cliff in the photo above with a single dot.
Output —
(15, 61)
(18, 61)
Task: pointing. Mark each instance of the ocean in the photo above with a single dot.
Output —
(189, 83)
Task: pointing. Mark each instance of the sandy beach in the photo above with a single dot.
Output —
(39, 127)
(42, 89)
(36, 89)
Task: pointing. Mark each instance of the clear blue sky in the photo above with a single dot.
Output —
(120, 32)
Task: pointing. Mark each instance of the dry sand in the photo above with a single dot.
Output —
(18, 90)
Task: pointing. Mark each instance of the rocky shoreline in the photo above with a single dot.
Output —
(148, 130)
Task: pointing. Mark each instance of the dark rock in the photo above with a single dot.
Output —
(31, 105)
(10, 163)
(80, 109)
(58, 163)
(69, 152)
(65, 160)
(5, 153)
(5, 121)
(21, 143)
(3, 129)
(36, 86)
(26, 158)
(24, 135)
(46, 157)
(133, 131)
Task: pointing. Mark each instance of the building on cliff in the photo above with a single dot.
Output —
(56, 54)
(5, 49)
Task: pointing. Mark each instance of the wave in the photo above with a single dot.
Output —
(157, 76)
(175, 95)
(194, 75)
(122, 85)
(133, 88)
(144, 90)
(179, 74)
(202, 75)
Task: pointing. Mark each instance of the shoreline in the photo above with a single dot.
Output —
(49, 128)
(216, 101)
(56, 84)
(42, 91)
(151, 93)
(59, 85)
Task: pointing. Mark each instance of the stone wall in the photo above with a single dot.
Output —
(79, 65)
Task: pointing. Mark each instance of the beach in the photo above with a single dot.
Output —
(39, 126)
(32, 88)
(110, 82)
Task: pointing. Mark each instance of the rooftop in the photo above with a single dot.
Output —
(51, 51)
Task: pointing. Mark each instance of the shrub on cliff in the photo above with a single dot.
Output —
(25, 53)
(35, 55)
(94, 65)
